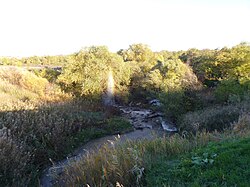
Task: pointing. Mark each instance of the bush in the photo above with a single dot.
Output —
(175, 104)
(231, 90)
(49, 74)
(170, 76)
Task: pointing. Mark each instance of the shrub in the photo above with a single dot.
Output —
(170, 76)
(231, 90)
(173, 104)
(49, 74)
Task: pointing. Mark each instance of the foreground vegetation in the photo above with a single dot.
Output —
(219, 164)
(201, 160)
(46, 113)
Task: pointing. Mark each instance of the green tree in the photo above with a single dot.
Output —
(87, 74)
(170, 76)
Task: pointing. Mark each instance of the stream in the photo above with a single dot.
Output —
(147, 125)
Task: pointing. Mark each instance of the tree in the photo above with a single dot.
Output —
(137, 52)
(87, 74)
(170, 76)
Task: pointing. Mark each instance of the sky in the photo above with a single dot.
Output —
(55, 27)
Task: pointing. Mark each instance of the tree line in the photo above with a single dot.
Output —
(141, 73)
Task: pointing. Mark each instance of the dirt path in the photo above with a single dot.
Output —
(94, 145)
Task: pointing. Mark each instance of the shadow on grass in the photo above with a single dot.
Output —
(48, 133)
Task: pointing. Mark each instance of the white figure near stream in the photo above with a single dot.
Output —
(108, 97)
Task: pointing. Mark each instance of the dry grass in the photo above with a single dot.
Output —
(14, 158)
(19, 87)
(24, 79)
(37, 122)
(45, 132)
(242, 125)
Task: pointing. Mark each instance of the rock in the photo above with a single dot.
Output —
(168, 127)
(125, 110)
(145, 118)
(155, 115)
(141, 112)
(155, 102)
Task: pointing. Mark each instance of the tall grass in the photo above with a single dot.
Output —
(48, 133)
(38, 123)
(127, 164)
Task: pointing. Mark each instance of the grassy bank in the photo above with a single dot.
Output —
(223, 163)
(144, 163)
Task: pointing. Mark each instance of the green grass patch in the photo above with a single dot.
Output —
(117, 125)
(113, 125)
(218, 164)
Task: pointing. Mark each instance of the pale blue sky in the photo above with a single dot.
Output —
(52, 27)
